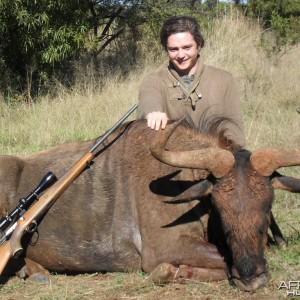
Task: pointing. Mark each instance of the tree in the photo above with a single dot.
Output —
(41, 37)
(282, 17)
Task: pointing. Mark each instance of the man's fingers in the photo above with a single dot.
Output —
(157, 120)
(164, 123)
(157, 124)
(152, 123)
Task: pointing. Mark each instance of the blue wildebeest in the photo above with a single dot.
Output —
(191, 206)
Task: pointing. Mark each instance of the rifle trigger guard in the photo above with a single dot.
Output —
(32, 227)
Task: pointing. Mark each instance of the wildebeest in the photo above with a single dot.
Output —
(191, 205)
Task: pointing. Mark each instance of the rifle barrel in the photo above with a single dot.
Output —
(111, 130)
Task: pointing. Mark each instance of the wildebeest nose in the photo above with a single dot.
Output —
(246, 268)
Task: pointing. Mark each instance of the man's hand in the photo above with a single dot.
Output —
(156, 120)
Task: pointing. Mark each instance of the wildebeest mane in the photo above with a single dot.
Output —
(216, 127)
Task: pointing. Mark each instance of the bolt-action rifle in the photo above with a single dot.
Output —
(25, 216)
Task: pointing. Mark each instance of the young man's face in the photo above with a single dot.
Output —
(183, 52)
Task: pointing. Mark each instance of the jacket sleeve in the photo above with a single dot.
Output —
(150, 96)
(236, 130)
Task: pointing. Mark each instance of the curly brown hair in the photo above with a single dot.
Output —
(181, 24)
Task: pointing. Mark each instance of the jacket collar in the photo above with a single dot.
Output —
(177, 80)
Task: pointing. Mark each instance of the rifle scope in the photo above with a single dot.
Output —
(45, 183)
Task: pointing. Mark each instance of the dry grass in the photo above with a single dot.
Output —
(270, 95)
(131, 286)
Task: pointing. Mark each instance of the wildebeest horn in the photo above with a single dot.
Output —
(268, 160)
(218, 161)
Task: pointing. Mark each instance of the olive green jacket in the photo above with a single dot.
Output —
(213, 93)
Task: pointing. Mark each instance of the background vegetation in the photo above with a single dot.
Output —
(41, 40)
(80, 94)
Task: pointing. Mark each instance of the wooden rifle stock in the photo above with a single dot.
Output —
(12, 247)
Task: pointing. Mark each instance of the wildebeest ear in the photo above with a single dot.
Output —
(286, 183)
(195, 192)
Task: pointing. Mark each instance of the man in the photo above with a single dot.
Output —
(187, 86)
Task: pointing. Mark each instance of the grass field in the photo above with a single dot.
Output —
(270, 94)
